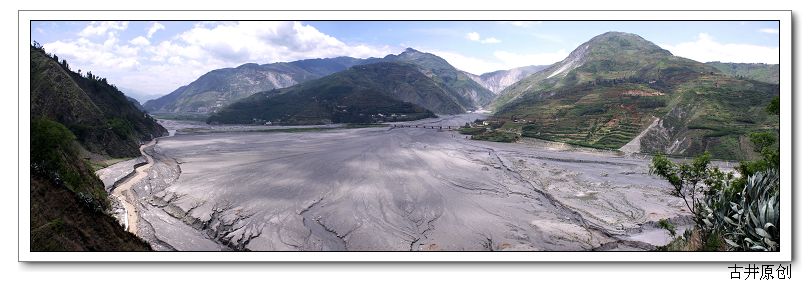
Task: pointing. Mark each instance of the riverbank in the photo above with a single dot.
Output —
(118, 180)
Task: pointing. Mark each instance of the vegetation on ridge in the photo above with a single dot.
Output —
(69, 112)
(380, 92)
(614, 86)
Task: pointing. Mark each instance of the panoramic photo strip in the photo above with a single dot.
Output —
(396, 136)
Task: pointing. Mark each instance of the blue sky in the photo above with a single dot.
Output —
(150, 59)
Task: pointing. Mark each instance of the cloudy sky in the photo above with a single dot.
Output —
(150, 59)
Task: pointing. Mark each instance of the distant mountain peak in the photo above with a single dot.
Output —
(608, 55)
(248, 65)
(617, 34)
(623, 41)
(413, 53)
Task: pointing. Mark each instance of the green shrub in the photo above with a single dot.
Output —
(121, 127)
(497, 136)
(737, 214)
(762, 140)
(665, 224)
(49, 139)
(55, 156)
(472, 130)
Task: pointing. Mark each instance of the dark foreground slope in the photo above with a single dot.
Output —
(68, 201)
(364, 93)
(71, 112)
(611, 88)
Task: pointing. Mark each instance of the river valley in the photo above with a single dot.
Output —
(392, 189)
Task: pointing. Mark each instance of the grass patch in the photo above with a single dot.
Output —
(472, 130)
(497, 136)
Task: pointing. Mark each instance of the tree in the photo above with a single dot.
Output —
(691, 182)
(773, 107)
(765, 143)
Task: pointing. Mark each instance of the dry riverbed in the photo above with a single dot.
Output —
(396, 189)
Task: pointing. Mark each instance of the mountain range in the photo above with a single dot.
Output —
(383, 91)
(615, 91)
(469, 93)
(219, 88)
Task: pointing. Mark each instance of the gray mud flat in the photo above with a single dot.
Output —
(395, 189)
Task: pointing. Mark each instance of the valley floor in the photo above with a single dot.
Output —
(395, 189)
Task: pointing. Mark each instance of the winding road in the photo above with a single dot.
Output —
(124, 193)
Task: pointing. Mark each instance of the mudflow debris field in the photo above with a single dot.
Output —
(395, 189)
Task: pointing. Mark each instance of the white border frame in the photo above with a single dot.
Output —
(785, 67)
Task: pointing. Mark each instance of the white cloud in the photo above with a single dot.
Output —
(101, 28)
(94, 56)
(140, 41)
(769, 30)
(161, 67)
(706, 49)
(154, 28)
(490, 40)
(273, 41)
(474, 36)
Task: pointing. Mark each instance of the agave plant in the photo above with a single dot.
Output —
(752, 222)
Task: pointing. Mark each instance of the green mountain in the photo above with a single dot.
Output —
(616, 85)
(467, 91)
(364, 93)
(767, 73)
(221, 87)
(72, 114)
(104, 121)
